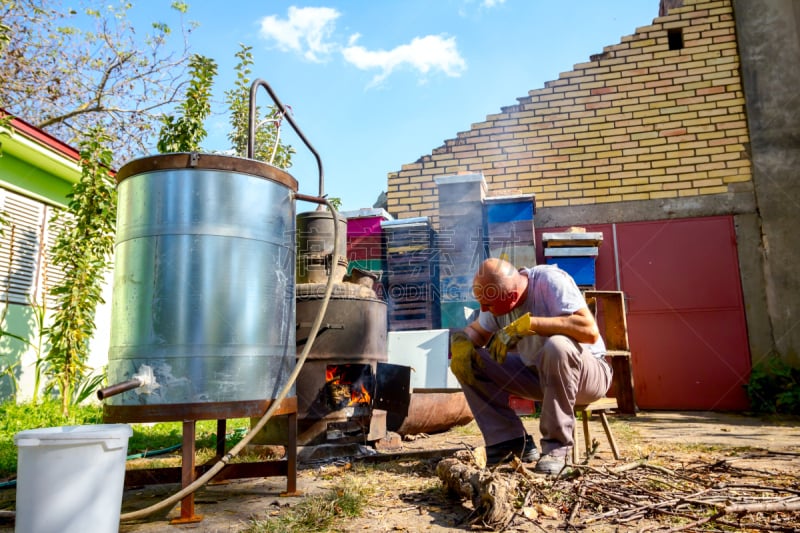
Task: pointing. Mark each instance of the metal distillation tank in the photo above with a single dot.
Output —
(204, 286)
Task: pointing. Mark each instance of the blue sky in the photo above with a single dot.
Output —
(376, 84)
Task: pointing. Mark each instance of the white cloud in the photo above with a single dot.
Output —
(424, 54)
(306, 31)
(492, 3)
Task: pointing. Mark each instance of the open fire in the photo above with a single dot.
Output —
(349, 385)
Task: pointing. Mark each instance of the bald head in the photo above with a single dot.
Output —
(498, 286)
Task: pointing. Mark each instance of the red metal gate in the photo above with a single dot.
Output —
(685, 314)
(686, 323)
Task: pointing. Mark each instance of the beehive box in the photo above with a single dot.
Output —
(412, 274)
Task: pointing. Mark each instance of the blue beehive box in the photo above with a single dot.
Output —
(574, 252)
(510, 229)
(582, 269)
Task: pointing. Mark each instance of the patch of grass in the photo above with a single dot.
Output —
(469, 429)
(20, 417)
(319, 512)
(414, 467)
(665, 453)
(622, 429)
(148, 437)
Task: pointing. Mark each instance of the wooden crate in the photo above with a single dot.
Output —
(609, 307)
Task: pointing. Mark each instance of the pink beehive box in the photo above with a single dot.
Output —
(365, 222)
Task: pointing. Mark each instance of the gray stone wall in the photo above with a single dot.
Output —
(768, 32)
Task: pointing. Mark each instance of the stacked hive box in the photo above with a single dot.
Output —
(575, 252)
(412, 276)
(462, 244)
(510, 229)
(365, 246)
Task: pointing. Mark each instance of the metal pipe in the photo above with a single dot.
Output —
(311, 199)
(251, 128)
(113, 390)
(616, 256)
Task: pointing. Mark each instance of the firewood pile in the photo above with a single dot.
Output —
(650, 494)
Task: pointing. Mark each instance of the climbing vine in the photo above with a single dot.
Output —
(83, 251)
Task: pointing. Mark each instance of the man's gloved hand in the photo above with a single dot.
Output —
(508, 337)
(463, 354)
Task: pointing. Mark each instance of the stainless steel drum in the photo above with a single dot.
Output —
(204, 280)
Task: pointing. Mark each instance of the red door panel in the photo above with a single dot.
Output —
(688, 360)
(683, 264)
(686, 321)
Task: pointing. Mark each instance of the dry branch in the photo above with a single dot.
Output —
(784, 506)
(699, 496)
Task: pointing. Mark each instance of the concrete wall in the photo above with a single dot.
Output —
(769, 42)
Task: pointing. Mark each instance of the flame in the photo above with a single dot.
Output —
(331, 375)
(359, 396)
(358, 392)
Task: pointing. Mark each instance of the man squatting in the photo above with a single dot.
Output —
(534, 338)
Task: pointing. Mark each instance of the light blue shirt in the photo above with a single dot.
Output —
(551, 292)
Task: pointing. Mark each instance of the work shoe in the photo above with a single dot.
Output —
(552, 465)
(522, 447)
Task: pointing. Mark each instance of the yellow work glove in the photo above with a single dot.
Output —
(462, 356)
(508, 337)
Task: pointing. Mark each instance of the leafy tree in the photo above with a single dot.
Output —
(267, 135)
(185, 133)
(77, 75)
(67, 71)
(83, 250)
(78, 84)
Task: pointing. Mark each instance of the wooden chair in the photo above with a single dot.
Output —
(609, 308)
(585, 412)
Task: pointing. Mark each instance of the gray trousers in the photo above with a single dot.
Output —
(565, 374)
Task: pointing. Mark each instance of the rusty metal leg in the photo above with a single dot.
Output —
(291, 458)
(187, 474)
(221, 429)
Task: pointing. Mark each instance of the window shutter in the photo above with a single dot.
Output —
(20, 250)
(53, 274)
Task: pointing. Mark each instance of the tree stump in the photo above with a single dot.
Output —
(492, 495)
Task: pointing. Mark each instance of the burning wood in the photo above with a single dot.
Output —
(345, 386)
(339, 394)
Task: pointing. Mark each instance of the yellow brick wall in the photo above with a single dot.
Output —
(637, 122)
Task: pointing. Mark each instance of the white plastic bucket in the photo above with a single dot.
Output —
(70, 479)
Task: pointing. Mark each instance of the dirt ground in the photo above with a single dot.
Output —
(407, 495)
